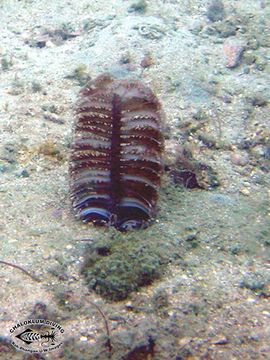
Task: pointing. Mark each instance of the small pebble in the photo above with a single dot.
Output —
(125, 59)
(227, 99)
(23, 173)
(57, 213)
(258, 151)
(267, 152)
(251, 301)
(245, 191)
(50, 44)
(191, 237)
(53, 118)
(257, 179)
(240, 159)
(259, 100)
(129, 305)
(233, 54)
(266, 313)
(3, 168)
(220, 340)
(41, 43)
(147, 61)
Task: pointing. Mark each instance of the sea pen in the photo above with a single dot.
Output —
(116, 153)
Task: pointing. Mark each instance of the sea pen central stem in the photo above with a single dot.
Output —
(115, 154)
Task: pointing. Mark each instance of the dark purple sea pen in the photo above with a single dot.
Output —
(116, 156)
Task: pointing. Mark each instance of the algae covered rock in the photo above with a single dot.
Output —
(116, 267)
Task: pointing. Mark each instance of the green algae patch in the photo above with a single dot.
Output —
(120, 263)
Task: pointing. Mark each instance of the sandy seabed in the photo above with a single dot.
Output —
(209, 66)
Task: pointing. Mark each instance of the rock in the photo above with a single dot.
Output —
(114, 272)
(190, 173)
(125, 59)
(50, 149)
(151, 31)
(143, 350)
(9, 153)
(207, 139)
(191, 237)
(266, 153)
(57, 213)
(240, 159)
(79, 74)
(244, 191)
(220, 340)
(196, 26)
(139, 6)
(3, 168)
(249, 58)
(257, 178)
(52, 37)
(53, 118)
(215, 11)
(22, 173)
(129, 305)
(160, 299)
(69, 299)
(257, 100)
(223, 29)
(39, 311)
(39, 43)
(253, 281)
(147, 61)
(233, 54)
(36, 86)
(6, 63)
